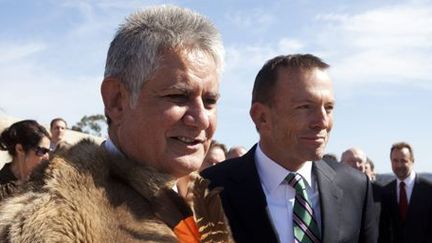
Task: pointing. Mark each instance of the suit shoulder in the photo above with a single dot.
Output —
(344, 171)
(424, 180)
(223, 169)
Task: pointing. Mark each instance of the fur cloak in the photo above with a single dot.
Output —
(88, 195)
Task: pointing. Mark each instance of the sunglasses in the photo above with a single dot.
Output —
(40, 151)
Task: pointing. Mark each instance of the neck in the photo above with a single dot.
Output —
(288, 163)
(406, 176)
(55, 140)
(17, 169)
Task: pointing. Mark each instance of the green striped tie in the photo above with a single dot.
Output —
(305, 226)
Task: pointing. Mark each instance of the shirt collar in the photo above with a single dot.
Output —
(111, 148)
(272, 174)
(409, 181)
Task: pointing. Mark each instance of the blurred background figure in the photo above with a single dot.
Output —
(58, 130)
(330, 158)
(236, 151)
(406, 201)
(370, 169)
(28, 143)
(355, 158)
(216, 154)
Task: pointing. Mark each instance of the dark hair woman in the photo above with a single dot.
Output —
(27, 142)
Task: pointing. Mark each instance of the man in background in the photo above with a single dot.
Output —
(58, 128)
(370, 169)
(406, 201)
(236, 151)
(355, 158)
(216, 154)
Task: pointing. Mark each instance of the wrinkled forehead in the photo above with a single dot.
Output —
(191, 52)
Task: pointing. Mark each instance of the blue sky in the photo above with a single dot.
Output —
(52, 56)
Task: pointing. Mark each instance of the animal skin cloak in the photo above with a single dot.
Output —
(87, 195)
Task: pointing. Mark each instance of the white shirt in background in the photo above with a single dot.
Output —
(409, 185)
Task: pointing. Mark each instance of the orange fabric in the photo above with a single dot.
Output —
(187, 231)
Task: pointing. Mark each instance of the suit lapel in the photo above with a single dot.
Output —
(416, 202)
(330, 201)
(249, 202)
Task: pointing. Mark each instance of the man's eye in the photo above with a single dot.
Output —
(177, 98)
(303, 107)
(210, 102)
(329, 109)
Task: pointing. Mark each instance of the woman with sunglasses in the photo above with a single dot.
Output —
(27, 142)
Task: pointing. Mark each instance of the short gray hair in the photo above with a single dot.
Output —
(134, 54)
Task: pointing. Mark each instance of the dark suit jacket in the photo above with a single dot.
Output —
(345, 201)
(417, 227)
(376, 195)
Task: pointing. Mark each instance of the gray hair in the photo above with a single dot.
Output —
(134, 54)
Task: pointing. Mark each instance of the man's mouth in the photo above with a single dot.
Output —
(190, 141)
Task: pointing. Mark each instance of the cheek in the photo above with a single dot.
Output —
(212, 123)
(170, 117)
(207, 146)
(330, 123)
(33, 160)
(294, 128)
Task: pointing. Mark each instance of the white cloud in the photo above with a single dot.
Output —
(241, 57)
(12, 52)
(394, 27)
(388, 45)
(287, 45)
(254, 20)
(29, 91)
(32, 89)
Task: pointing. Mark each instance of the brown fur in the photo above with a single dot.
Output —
(88, 196)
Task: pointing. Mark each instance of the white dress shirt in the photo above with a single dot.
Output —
(280, 196)
(409, 185)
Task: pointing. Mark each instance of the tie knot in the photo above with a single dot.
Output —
(402, 184)
(296, 181)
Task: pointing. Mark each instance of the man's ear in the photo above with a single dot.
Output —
(19, 149)
(115, 97)
(260, 114)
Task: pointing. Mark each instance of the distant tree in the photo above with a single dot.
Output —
(92, 124)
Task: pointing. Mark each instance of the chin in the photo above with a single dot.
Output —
(188, 165)
(316, 156)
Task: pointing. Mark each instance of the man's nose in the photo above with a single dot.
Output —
(321, 119)
(197, 115)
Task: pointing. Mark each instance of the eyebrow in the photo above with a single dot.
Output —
(188, 90)
(308, 100)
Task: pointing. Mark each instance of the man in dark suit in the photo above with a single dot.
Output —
(281, 190)
(406, 214)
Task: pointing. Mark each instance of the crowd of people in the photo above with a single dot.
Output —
(161, 177)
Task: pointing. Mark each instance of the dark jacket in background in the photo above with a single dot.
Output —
(417, 227)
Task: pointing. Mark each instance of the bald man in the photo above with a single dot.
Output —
(355, 158)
